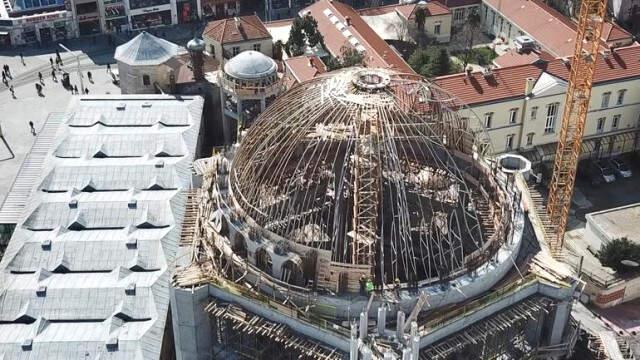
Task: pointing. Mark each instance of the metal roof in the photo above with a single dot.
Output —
(146, 49)
(86, 273)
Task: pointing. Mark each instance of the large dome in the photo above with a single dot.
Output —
(378, 169)
(250, 65)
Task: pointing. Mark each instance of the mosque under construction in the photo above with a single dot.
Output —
(363, 217)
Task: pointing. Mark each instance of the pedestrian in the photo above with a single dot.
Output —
(86, 91)
(7, 71)
(58, 63)
(13, 93)
(75, 89)
(40, 76)
(58, 55)
(4, 76)
(39, 89)
(108, 68)
(22, 59)
(51, 61)
(33, 129)
(53, 75)
(89, 76)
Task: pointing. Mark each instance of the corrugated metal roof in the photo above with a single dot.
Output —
(86, 273)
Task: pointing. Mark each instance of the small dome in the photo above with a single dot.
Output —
(196, 44)
(250, 65)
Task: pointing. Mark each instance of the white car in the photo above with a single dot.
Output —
(621, 169)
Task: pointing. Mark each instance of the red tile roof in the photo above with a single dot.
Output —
(433, 8)
(613, 32)
(514, 58)
(237, 29)
(304, 68)
(458, 3)
(509, 82)
(551, 29)
(377, 52)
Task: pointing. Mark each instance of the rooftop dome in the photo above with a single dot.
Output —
(250, 65)
(196, 44)
(376, 168)
(146, 49)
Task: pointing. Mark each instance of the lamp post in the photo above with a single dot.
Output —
(78, 63)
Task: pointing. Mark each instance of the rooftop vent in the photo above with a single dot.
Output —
(486, 72)
(130, 289)
(133, 203)
(41, 291)
(73, 204)
(27, 344)
(132, 243)
(112, 344)
(121, 106)
(146, 104)
(159, 164)
(46, 244)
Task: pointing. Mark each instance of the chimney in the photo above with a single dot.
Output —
(196, 49)
(528, 86)
(311, 63)
(468, 71)
(348, 20)
(238, 23)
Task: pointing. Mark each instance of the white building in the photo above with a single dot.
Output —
(30, 22)
(142, 64)
(86, 273)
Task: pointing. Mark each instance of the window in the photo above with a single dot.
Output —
(436, 29)
(235, 51)
(513, 115)
(256, 47)
(605, 100)
(458, 14)
(616, 121)
(530, 139)
(487, 120)
(146, 81)
(620, 99)
(552, 114)
(534, 112)
(600, 127)
(212, 50)
(509, 143)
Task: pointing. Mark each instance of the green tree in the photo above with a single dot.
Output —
(612, 253)
(441, 63)
(304, 31)
(421, 18)
(348, 57)
(420, 62)
(470, 32)
(277, 50)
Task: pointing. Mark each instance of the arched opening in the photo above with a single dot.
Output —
(292, 273)
(240, 246)
(146, 80)
(263, 261)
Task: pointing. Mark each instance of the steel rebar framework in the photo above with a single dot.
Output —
(574, 117)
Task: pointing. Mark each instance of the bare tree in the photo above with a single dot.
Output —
(470, 31)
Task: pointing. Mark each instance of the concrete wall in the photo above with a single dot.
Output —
(191, 324)
(131, 78)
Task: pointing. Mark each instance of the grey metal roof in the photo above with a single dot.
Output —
(146, 49)
(86, 273)
(250, 65)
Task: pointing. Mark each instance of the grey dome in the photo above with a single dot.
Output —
(250, 65)
(196, 44)
(146, 49)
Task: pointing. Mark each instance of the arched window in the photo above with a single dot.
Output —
(146, 81)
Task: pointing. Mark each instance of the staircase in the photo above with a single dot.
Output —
(189, 222)
(549, 229)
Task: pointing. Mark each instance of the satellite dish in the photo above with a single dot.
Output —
(630, 263)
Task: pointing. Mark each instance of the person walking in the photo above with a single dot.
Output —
(33, 129)
(40, 76)
(51, 61)
(7, 71)
(4, 77)
(86, 91)
(75, 89)
(13, 93)
(53, 75)
(39, 89)
(89, 76)
(22, 60)
(108, 68)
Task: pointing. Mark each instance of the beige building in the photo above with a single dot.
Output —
(227, 38)
(521, 106)
(461, 9)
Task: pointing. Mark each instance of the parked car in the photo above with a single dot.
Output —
(620, 167)
(600, 172)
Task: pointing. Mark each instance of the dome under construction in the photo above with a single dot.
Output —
(364, 174)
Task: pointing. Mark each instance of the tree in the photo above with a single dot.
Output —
(304, 31)
(421, 18)
(470, 31)
(612, 253)
(348, 57)
(434, 61)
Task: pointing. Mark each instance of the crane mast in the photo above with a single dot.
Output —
(574, 117)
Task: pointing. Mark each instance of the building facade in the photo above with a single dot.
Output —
(33, 26)
(227, 38)
(521, 106)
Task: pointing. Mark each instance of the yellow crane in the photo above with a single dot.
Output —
(576, 106)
